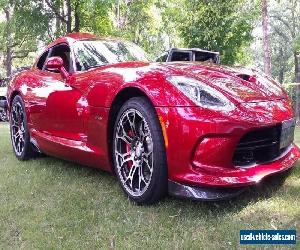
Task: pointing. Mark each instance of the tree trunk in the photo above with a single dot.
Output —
(281, 67)
(8, 53)
(266, 42)
(281, 75)
(8, 61)
(69, 16)
(77, 17)
(296, 62)
(57, 25)
(297, 79)
(118, 14)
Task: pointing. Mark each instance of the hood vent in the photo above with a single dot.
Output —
(247, 77)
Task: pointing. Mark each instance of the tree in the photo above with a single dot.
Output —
(139, 21)
(63, 11)
(96, 17)
(266, 43)
(20, 32)
(155, 25)
(285, 26)
(223, 26)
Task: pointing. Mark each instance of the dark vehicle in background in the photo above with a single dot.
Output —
(3, 105)
(3, 91)
(192, 55)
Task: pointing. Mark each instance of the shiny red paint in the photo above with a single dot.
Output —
(69, 117)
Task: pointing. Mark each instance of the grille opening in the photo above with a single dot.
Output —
(259, 146)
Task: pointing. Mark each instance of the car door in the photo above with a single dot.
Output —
(59, 113)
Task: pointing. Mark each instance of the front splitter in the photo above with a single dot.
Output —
(203, 193)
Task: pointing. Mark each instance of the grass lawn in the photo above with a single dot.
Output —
(50, 203)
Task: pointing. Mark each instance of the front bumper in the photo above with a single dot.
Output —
(200, 144)
(236, 177)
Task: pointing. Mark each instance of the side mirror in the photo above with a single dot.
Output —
(57, 63)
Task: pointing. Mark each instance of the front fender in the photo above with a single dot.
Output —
(152, 83)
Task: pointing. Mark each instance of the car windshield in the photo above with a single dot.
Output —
(94, 53)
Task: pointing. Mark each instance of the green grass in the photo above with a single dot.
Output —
(50, 203)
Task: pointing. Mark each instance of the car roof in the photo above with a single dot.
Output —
(73, 37)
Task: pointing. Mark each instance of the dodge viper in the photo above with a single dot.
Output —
(188, 129)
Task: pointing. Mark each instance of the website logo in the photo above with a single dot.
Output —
(268, 236)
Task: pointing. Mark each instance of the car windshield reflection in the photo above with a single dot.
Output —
(96, 53)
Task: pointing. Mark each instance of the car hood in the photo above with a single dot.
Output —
(236, 83)
(241, 84)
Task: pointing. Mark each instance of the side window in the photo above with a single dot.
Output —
(63, 51)
(162, 58)
(181, 56)
(42, 59)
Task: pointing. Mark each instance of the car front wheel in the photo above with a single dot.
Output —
(139, 152)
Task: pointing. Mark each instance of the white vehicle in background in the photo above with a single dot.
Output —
(3, 104)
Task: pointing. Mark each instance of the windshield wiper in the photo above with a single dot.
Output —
(95, 66)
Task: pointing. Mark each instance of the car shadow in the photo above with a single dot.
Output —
(250, 208)
(267, 188)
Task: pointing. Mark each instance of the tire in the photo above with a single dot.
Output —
(3, 112)
(2, 115)
(19, 132)
(142, 175)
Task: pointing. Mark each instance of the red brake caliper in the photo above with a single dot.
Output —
(128, 149)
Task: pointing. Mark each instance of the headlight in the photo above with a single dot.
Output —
(201, 94)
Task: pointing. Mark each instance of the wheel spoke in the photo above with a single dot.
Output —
(125, 137)
(17, 135)
(141, 177)
(132, 123)
(130, 175)
(126, 157)
(147, 163)
(19, 146)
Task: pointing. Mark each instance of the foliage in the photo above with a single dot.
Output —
(95, 17)
(155, 25)
(296, 43)
(20, 33)
(285, 39)
(141, 22)
(223, 26)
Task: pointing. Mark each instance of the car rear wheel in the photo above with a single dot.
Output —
(139, 153)
(19, 130)
(3, 115)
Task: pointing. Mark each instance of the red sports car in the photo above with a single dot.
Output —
(195, 130)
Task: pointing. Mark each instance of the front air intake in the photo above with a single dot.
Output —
(258, 146)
